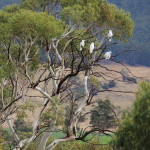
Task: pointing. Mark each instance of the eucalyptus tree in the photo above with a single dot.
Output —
(56, 28)
(135, 123)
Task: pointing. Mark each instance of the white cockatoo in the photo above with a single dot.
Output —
(110, 35)
(92, 47)
(107, 55)
(82, 44)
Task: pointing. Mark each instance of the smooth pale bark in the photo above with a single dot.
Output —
(74, 119)
(28, 141)
(85, 98)
(34, 135)
(52, 73)
(58, 55)
(20, 145)
(82, 105)
(38, 119)
(17, 139)
(44, 140)
(53, 80)
(56, 50)
(45, 94)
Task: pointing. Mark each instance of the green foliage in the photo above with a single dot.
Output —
(27, 106)
(26, 130)
(11, 8)
(2, 140)
(79, 145)
(21, 125)
(51, 116)
(27, 28)
(102, 115)
(139, 12)
(134, 130)
(29, 4)
(28, 23)
(83, 12)
(110, 84)
(102, 14)
(3, 3)
(6, 137)
(24, 26)
(33, 146)
(94, 81)
(126, 76)
(7, 91)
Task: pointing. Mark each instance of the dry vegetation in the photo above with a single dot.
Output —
(123, 100)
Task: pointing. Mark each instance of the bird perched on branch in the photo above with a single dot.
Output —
(110, 35)
(107, 55)
(82, 44)
(92, 47)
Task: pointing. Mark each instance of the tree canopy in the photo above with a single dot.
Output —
(134, 130)
(140, 14)
(53, 30)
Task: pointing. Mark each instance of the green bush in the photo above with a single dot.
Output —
(134, 130)
(94, 144)
(22, 126)
(110, 84)
(102, 115)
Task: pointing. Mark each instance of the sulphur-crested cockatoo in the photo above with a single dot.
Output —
(107, 55)
(92, 47)
(110, 35)
(82, 44)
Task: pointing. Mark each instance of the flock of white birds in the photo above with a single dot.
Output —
(107, 55)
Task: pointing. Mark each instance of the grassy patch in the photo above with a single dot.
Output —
(103, 140)
(56, 135)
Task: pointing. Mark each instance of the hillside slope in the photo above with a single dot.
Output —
(141, 15)
(123, 100)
